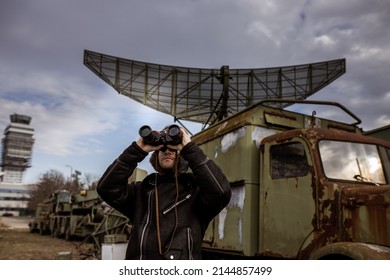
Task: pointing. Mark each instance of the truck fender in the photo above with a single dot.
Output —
(351, 251)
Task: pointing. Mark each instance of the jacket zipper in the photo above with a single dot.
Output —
(146, 224)
(176, 204)
(189, 243)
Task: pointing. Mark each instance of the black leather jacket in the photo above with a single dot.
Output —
(183, 220)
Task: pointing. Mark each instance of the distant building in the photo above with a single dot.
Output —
(16, 158)
(14, 199)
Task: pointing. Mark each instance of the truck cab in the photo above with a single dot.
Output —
(324, 194)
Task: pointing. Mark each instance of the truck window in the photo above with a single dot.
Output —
(288, 160)
(63, 197)
(352, 161)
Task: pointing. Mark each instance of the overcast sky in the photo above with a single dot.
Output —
(83, 124)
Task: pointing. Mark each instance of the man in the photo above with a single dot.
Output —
(170, 209)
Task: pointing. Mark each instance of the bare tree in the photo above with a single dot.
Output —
(48, 183)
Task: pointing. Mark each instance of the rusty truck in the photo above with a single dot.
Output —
(303, 187)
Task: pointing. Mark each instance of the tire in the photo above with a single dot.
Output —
(68, 235)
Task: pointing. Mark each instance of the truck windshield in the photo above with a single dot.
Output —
(352, 161)
(64, 197)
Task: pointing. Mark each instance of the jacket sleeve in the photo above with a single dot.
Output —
(113, 186)
(215, 191)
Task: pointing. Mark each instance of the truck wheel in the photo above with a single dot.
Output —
(68, 236)
(41, 230)
(56, 231)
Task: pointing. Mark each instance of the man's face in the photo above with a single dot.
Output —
(166, 158)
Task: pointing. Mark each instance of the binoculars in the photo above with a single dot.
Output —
(171, 136)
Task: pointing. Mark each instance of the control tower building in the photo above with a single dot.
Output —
(17, 149)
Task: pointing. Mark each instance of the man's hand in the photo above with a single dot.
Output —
(146, 147)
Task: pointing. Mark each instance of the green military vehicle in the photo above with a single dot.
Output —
(302, 187)
(76, 215)
(86, 214)
(68, 215)
(47, 213)
(41, 221)
(60, 212)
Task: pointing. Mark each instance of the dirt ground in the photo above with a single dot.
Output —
(17, 243)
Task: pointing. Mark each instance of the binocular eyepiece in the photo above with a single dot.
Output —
(171, 136)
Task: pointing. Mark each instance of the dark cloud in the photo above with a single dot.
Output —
(42, 43)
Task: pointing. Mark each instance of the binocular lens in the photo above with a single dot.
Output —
(145, 131)
(174, 130)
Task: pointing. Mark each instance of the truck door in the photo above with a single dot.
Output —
(287, 197)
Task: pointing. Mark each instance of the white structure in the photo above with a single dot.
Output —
(16, 157)
(17, 148)
(114, 251)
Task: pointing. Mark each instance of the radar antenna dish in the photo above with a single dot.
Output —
(209, 95)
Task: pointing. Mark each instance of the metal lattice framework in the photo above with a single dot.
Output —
(208, 95)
